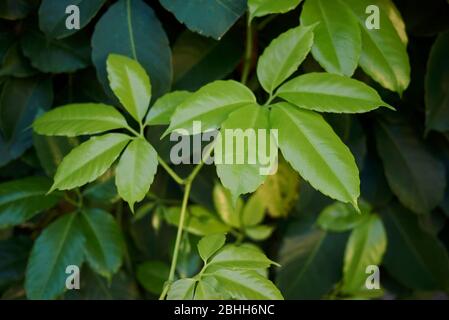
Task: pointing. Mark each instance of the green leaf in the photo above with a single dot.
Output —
(211, 18)
(103, 190)
(199, 221)
(205, 291)
(15, 64)
(320, 157)
(283, 56)
(22, 199)
(130, 83)
(228, 209)
(182, 290)
(60, 245)
(414, 174)
(253, 156)
(384, 55)
(280, 191)
(342, 217)
(253, 211)
(89, 160)
(104, 241)
(247, 285)
(135, 171)
(211, 105)
(131, 28)
(16, 9)
(238, 257)
(152, 275)
(259, 8)
(366, 246)
(79, 119)
(208, 245)
(14, 254)
(437, 88)
(21, 100)
(311, 261)
(326, 92)
(162, 110)
(260, 232)
(56, 56)
(53, 16)
(414, 257)
(198, 60)
(338, 42)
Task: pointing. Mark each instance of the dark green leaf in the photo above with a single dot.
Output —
(13, 259)
(152, 275)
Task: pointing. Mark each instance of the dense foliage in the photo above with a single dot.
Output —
(362, 122)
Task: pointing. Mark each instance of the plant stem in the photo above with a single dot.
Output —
(248, 52)
(170, 171)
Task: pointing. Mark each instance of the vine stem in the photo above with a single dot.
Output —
(248, 52)
(170, 171)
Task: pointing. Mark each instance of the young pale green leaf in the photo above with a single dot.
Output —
(60, 245)
(413, 173)
(384, 53)
(182, 289)
(208, 245)
(89, 160)
(326, 92)
(253, 211)
(152, 275)
(246, 151)
(366, 246)
(238, 257)
(130, 83)
(22, 199)
(199, 221)
(313, 149)
(259, 8)
(135, 171)
(338, 42)
(104, 246)
(415, 257)
(260, 232)
(437, 88)
(211, 105)
(162, 110)
(246, 285)
(342, 217)
(205, 291)
(79, 119)
(228, 209)
(283, 56)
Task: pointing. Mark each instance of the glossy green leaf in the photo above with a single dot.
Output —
(182, 290)
(130, 83)
(254, 211)
(199, 220)
(309, 144)
(246, 152)
(211, 105)
(414, 174)
(53, 15)
(22, 199)
(366, 246)
(60, 245)
(247, 285)
(342, 217)
(16, 9)
(131, 28)
(135, 171)
(311, 262)
(89, 160)
(338, 42)
(208, 245)
(162, 110)
(437, 88)
(416, 258)
(152, 275)
(384, 55)
(212, 18)
(326, 92)
(56, 56)
(104, 246)
(79, 119)
(283, 56)
(259, 8)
